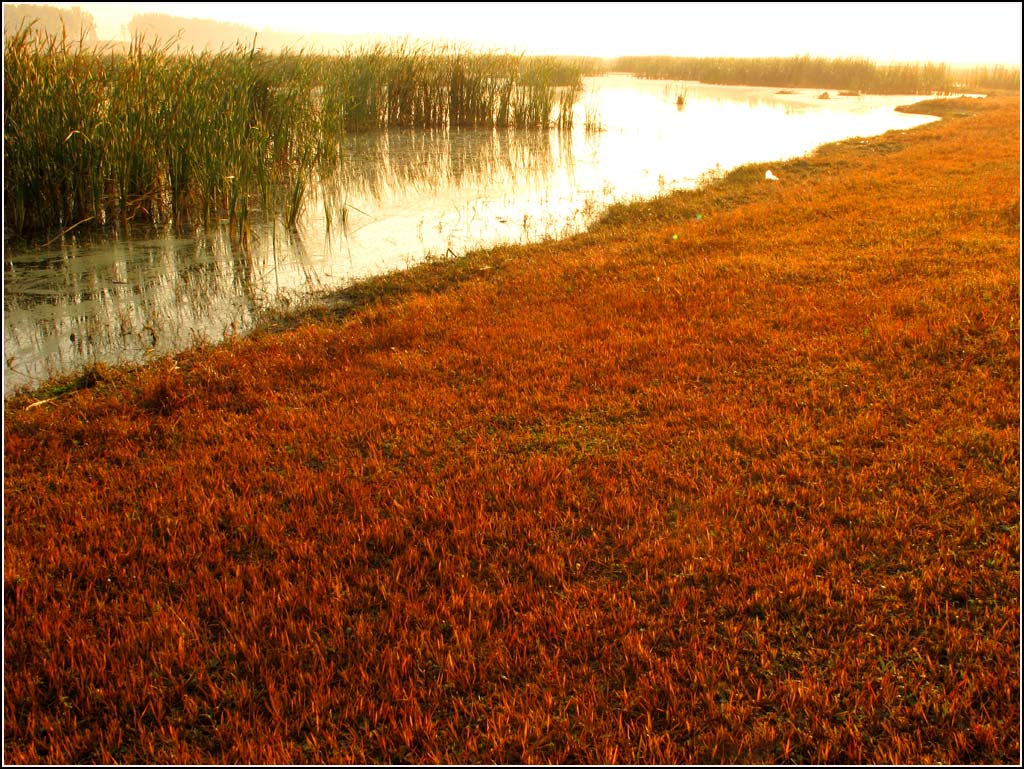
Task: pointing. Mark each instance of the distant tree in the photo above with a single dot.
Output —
(75, 23)
(198, 34)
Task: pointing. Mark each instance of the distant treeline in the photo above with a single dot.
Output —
(200, 34)
(852, 74)
(178, 34)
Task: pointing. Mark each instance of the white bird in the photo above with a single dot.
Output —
(770, 176)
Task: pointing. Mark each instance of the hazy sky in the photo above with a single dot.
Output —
(955, 33)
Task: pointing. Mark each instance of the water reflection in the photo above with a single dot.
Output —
(401, 196)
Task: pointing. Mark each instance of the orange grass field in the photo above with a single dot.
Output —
(733, 477)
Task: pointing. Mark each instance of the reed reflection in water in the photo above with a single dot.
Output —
(91, 300)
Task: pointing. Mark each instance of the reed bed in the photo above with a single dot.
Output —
(732, 478)
(111, 138)
(849, 74)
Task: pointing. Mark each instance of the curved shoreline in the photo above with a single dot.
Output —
(353, 296)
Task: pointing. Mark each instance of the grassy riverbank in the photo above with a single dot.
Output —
(734, 477)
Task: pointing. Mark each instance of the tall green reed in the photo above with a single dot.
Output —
(151, 134)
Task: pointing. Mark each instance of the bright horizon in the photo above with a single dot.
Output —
(952, 33)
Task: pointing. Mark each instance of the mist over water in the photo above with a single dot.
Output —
(404, 196)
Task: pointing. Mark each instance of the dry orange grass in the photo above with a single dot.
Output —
(736, 488)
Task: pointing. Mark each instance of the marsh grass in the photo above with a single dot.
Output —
(95, 137)
(730, 478)
(844, 74)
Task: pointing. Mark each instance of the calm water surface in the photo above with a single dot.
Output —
(405, 196)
